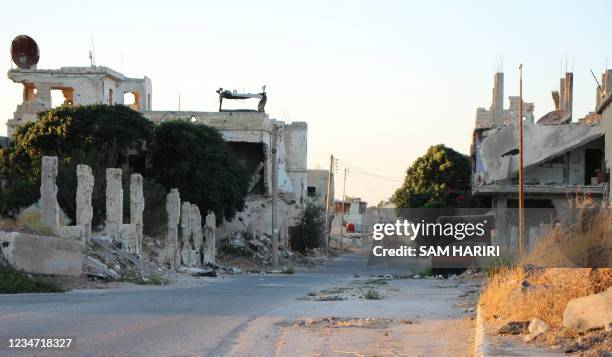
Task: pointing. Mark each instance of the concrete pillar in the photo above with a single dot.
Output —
(137, 205)
(114, 197)
(569, 92)
(196, 233)
(498, 100)
(502, 237)
(84, 208)
(210, 252)
(562, 94)
(186, 233)
(48, 193)
(173, 211)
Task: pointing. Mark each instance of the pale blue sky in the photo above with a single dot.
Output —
(377, 81)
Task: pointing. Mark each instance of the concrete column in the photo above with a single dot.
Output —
(196, 233)
(114, 197)
(84, 208)
(501, 205)
(210, 252)
(562, 94)
(137, 205)
(48, 193)
(173, 211)
(498, 100)
(569, 92)
(186, 233)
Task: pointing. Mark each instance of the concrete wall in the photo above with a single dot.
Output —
(42, 255)
(318, 179)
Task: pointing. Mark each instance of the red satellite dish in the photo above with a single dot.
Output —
(24, 52)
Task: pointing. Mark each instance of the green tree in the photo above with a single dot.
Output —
(440, 178)
(100, 136)
(309, 232)
(195, 159)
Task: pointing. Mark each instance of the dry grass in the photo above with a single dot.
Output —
(31, 220)
(7, 224)
(548, 290)
(588, 244)
(547, 295)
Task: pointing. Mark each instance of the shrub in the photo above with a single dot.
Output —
(372, 295)
(309, 232)
(13, 281)
(195, 159)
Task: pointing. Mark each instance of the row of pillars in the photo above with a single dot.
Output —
(129, 234)
(196, 245)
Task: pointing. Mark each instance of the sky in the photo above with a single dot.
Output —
(378, 82)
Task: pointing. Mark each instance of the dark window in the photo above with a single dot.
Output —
(312, 191)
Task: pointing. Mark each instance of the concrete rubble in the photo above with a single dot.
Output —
(42, 255)
(589, 312)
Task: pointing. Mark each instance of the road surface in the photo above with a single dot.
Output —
(246, 315)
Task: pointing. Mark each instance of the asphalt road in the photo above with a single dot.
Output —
(201, 317)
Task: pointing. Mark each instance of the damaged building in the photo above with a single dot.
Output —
(561, 159)
(260, 142)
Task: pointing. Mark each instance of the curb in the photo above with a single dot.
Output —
(481, 345)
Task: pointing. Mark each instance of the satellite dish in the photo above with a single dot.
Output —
(24, 52)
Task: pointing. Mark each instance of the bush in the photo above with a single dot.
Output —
(100, 136)
(13, 281)
(309, 232)
(372, 295)
(195, 159)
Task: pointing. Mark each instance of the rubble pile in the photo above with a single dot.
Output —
(259, 250)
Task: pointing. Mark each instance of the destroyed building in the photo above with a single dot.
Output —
(318, 184)
(604, 98)
(78, 86)
(561, 158)
(254, 137)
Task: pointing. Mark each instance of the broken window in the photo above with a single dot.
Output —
(132, 100)
(311, 191)
(29, 92)
(62, 96)
(253, 157)
(593, 167)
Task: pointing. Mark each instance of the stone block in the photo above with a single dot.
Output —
(588, 312)
(43, 255)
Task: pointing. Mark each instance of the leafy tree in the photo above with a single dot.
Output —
(100, 136)
(440, 178)
(195, 159)
(309, 232)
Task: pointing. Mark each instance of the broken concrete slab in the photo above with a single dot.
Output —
(589, 312)
(42, 255)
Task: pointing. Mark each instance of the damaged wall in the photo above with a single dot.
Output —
(79, 86)
(497, 156)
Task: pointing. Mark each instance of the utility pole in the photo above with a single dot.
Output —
(521, 203)
(343, 203)
(328, 200)
(274, 196)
